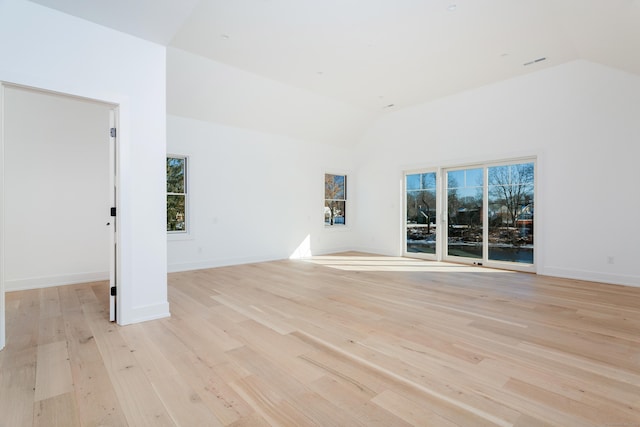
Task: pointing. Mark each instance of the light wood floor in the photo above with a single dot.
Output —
(338, 341)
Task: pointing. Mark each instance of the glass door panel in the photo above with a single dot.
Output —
(510, 216)
(464, 213)
(421, 213)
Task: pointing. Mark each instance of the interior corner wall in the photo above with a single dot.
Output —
(258, 150)
(46, 49)
(253, 196)
(56, 190)
(581, 121)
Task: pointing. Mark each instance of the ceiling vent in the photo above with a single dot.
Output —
(535, 61)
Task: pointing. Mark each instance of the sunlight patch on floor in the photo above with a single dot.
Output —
(384, 263)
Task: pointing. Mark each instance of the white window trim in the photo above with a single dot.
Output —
(188, 233)
(348, 203)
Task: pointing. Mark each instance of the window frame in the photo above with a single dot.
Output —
(178, 234)
(344, 199)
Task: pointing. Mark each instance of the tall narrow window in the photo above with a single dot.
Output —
(335, 199)
(177, 194)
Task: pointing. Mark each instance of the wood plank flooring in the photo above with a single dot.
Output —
(344, 340)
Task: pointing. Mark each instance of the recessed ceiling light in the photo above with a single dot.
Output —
(389, 106)
(224, 36)
(452, 7)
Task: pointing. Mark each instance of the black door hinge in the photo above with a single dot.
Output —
(113, 291)
(112, 132)
(113, 211)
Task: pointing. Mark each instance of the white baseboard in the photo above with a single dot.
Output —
(591, 276)
(214, 263)
(50, 281)
(375, 251)
(224, 262)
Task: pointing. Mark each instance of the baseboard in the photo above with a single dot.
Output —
(591, 276)
(50, 281)
(202, 265)
(374, 251)
(335, 251)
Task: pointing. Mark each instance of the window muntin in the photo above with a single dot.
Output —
(177, 194)
(335, 199)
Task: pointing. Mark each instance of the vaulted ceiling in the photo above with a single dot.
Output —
(381, 54)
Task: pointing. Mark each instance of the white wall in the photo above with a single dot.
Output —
(258, 151)
(580, 119)
(47, 49)
(253, 196)
(56, 190)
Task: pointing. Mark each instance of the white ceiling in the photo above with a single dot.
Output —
(372, 54)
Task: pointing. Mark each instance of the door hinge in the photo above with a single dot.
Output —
(112, 132)
(113, 291)
(113, 211)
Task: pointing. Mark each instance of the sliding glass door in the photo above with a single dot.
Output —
(420, 224)
(510, 199)
(484, 214)
(464, 194)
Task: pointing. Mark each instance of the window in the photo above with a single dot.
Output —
(335, 199)
(177, 194)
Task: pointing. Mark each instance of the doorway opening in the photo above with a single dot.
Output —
(58, 187)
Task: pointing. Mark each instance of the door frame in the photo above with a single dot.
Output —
(441, 213)
(438, 222)
(445, 215)
(113, 216)
(2, 302)
(116, 274)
